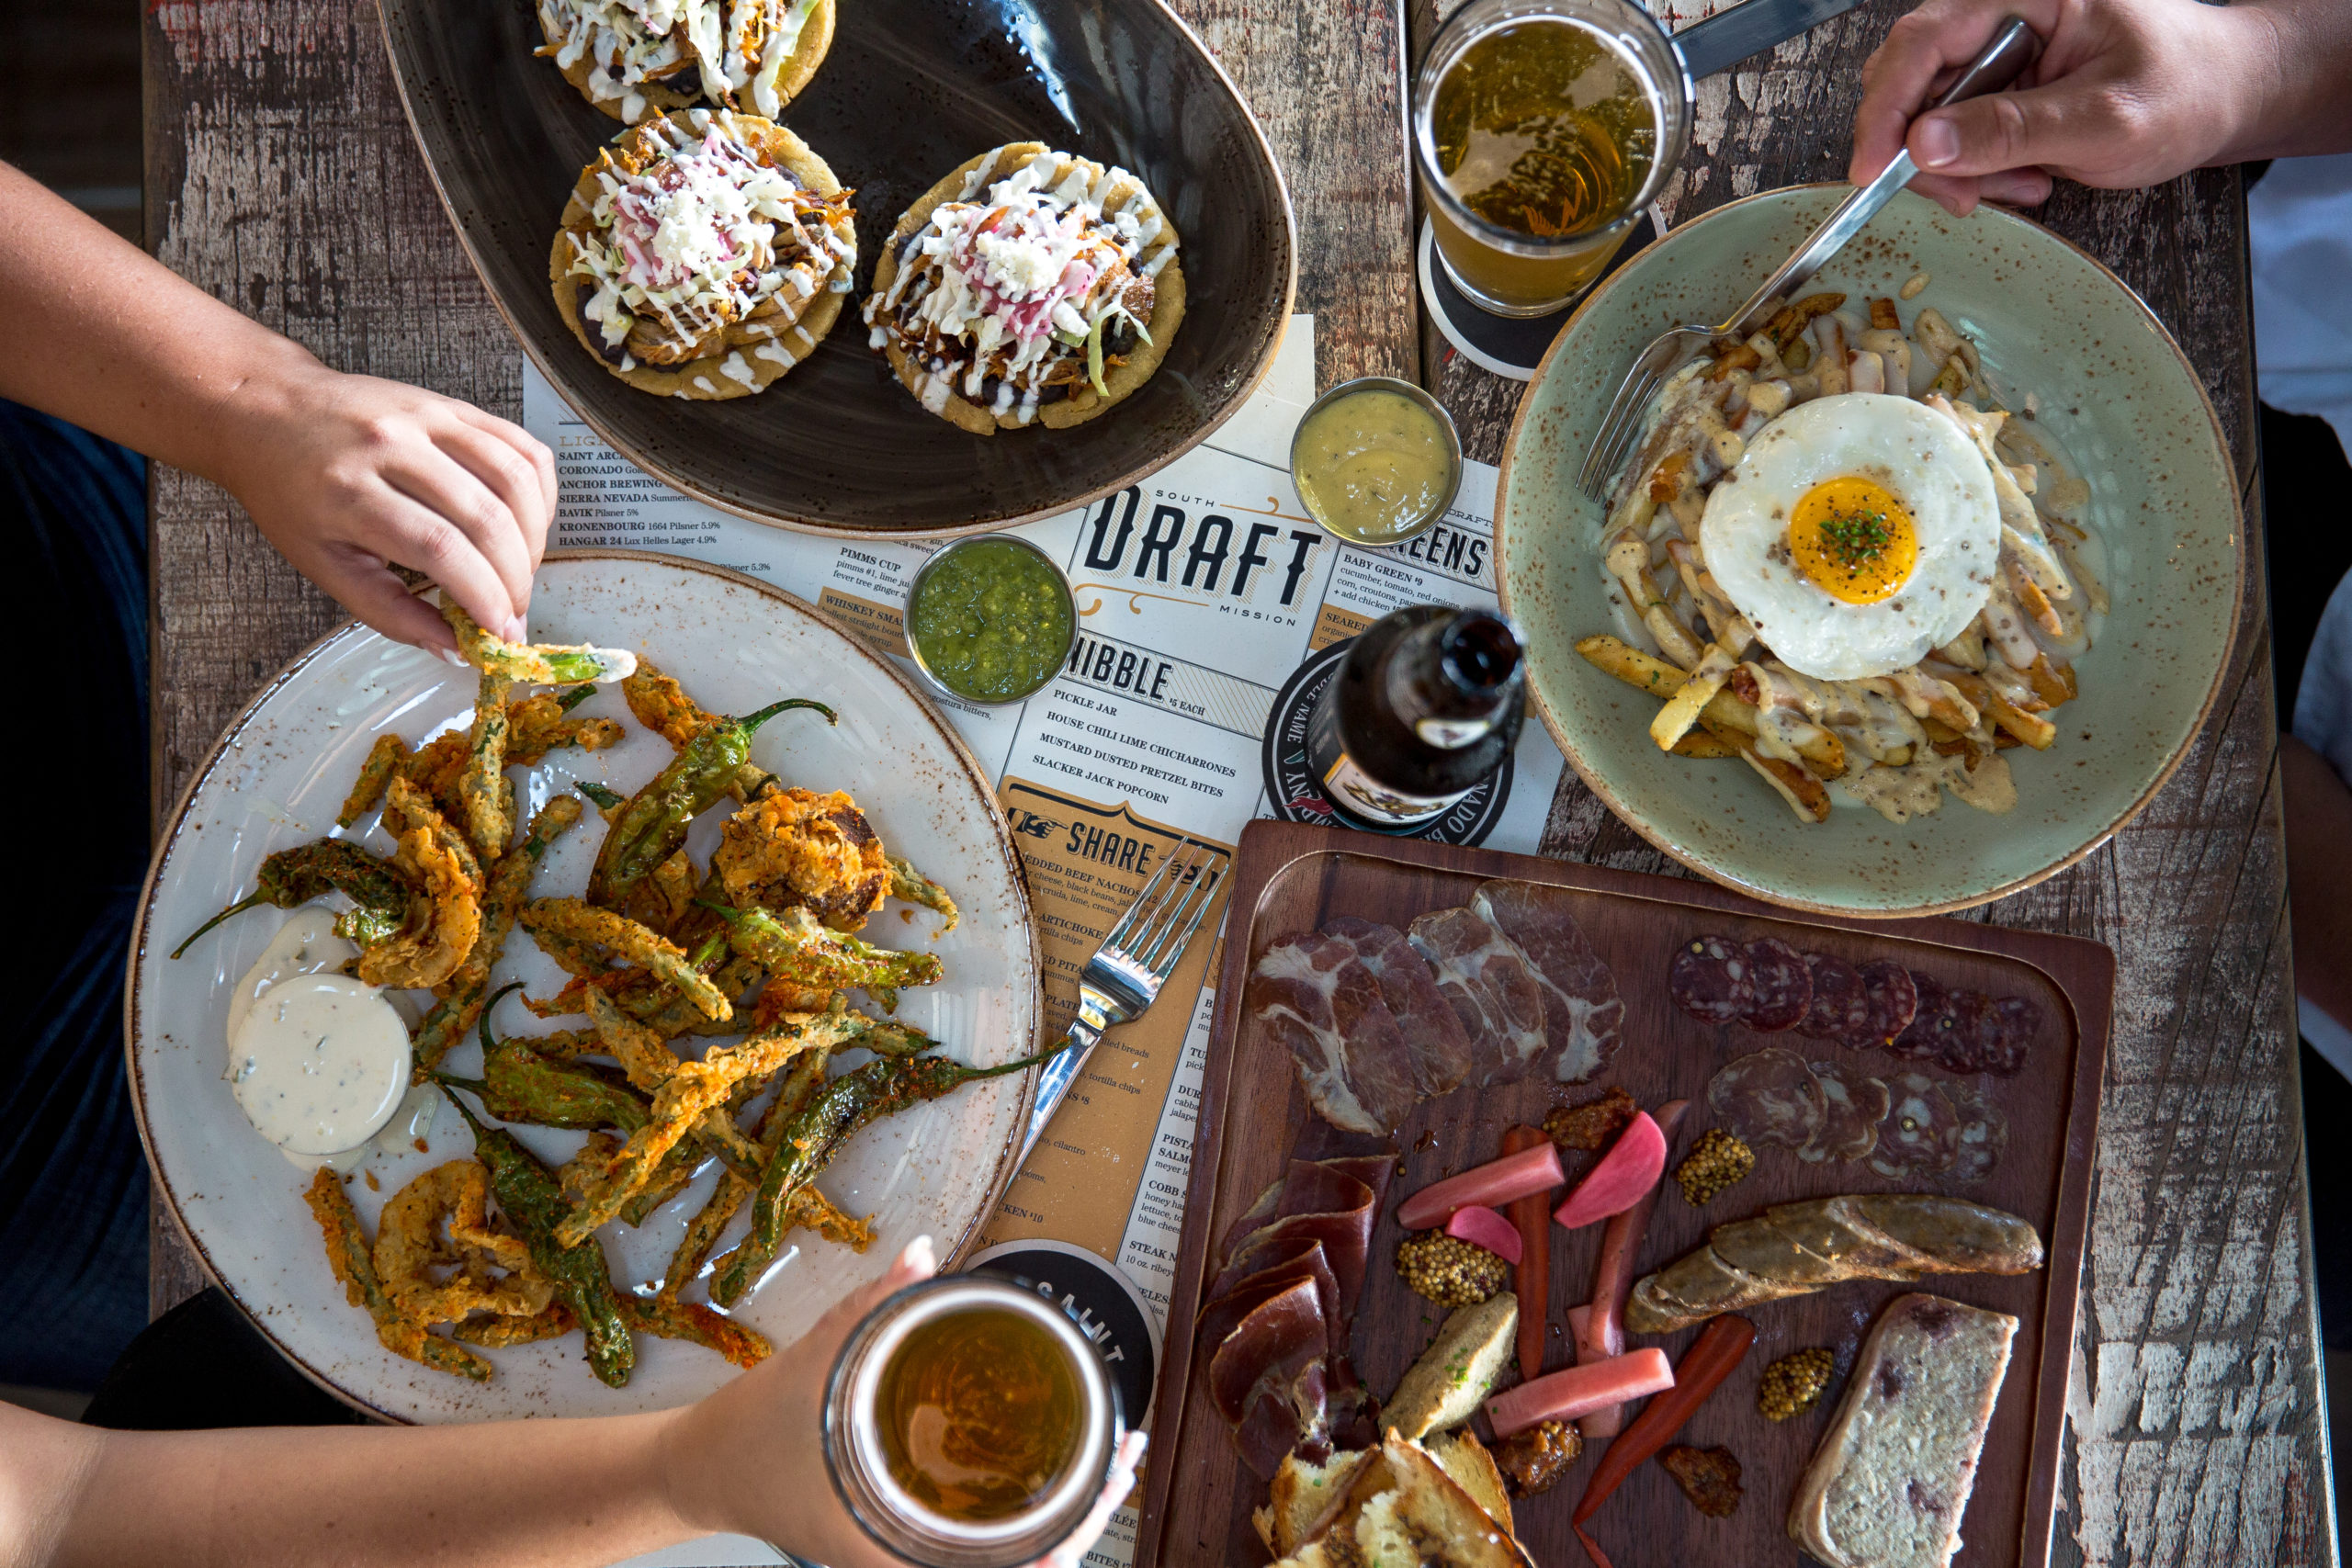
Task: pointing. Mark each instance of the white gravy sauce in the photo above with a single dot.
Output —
(318, 1062)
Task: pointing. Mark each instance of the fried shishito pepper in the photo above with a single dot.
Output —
(502, 897)
(651, 827)
(583, 923)
(544, 665)
(833, 1115)
(528, 1195)
(379, 891)
(797, 948)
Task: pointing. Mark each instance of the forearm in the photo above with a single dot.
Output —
(2302, 54)
(516, 1495)
(110, 339)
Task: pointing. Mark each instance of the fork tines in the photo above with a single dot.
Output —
(1159, 925)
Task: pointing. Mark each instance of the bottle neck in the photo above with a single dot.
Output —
(1451, 682)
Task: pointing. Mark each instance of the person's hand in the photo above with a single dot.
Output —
(345, 474)
(750, 1460)
(2126, 92)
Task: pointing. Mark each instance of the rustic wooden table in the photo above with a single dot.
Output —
(281, 176)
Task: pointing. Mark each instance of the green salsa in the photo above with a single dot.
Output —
(991, 621)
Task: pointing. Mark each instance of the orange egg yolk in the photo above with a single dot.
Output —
(1853, 540)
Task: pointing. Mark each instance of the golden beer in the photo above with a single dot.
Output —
(1541, 129)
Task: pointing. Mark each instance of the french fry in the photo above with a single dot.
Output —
(1883, 315)
(2033, 602)
(1628, 560)
(1761, 689)
(1799, 788)
(1731, 628)
(1682, 709)
(1700, 745)
(1650, 673)
(1739, 356)
(1789, 320)
(2036, 732)
(2054, 684)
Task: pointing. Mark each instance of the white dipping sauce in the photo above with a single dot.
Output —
(319, 1062)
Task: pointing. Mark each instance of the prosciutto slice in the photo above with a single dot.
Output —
(1313, 993)
(1270, 1378)
(1492, 990)
(1434, 1036)
(1299, 1251)
(1582, 1011)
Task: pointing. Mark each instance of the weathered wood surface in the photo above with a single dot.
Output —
(281, 176)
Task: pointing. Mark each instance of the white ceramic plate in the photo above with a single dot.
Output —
(278, 779)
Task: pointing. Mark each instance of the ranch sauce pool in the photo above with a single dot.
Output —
(318, 1062)
(990, 619)
(1372, 467)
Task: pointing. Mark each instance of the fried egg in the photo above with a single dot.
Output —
(1856, 533)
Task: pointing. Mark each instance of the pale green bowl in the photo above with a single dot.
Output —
(2116, 392)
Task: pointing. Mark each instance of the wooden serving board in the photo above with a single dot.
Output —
(1254, 1119)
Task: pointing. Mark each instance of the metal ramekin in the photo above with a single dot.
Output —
(1444, 423)
(914, 586)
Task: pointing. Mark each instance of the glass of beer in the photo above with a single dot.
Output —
(1541, 129)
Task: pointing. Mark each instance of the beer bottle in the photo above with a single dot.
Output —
(1425, 706)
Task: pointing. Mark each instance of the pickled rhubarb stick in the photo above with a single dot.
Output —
(1603, 1334)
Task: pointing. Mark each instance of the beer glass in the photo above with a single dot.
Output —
(1540, 129)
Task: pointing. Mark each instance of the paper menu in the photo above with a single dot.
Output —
(1199, 592)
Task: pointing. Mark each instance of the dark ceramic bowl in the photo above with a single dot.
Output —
(910, 89)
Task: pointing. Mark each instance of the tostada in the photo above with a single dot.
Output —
(1028, 286)
(635, 58)
(704, 253)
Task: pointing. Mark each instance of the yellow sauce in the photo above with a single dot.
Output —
(1372, 467)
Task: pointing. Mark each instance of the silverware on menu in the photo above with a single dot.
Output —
(1135, 960)
(2000, 62)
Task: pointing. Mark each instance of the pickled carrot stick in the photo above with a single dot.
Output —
(1533, 1216)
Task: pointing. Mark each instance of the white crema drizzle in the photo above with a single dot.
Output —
(1019, 269)
(697, 238)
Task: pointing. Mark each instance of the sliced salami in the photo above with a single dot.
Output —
(1852, 1107)
(1841, 1009)
(1917, 1137)
(1893, 993)
(1979, 1137)
(1780, 987)
(1919, 1039)
(1962, 1032)
(1709, 979)
(2010, 1033)
(1769, 1097)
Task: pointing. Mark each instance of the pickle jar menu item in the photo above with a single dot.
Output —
(990, 619)
(1376, 460)
(1541, 127)
(968, 1423)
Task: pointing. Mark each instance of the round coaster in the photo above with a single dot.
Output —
(1509, 345)
(1102, 1300)
(1294, 795)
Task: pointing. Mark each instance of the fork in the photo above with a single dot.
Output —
(1127, 972)
(1999, 63)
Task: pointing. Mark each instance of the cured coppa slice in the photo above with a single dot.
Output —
(1314, 994)
(1582, 1011)
(1709, 979)
(1780, 987)
(1919, 1132)
(1852, 1107)
(1841, 1009)
(1434, 1035)
(1768, 1097)
(1895, 995)
(1492, 990)
(1979, 1137)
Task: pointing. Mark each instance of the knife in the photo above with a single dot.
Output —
(1750, 27)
